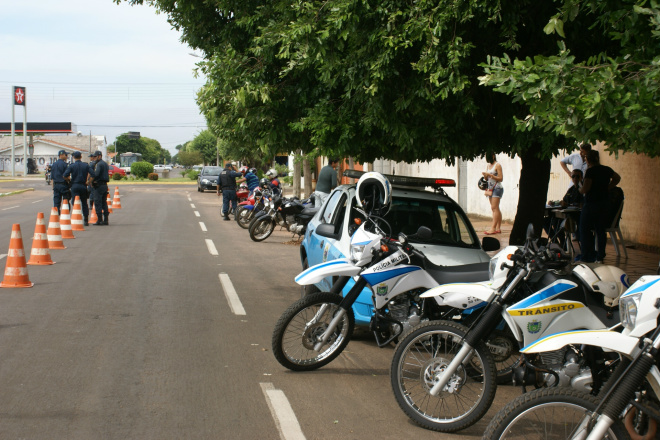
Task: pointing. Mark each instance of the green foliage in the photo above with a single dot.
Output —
(190, 158)
(152, 176)
(192, 174)
(116, 176)
(141, 169)
(150, 149)
(205, 143)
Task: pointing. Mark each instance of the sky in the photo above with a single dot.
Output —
(107, 68)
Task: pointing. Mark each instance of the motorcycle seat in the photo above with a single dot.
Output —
(465, 273)
(309, 211)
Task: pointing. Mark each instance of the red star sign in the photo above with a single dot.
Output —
(19, 96)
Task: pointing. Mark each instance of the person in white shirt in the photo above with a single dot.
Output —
(577, 161)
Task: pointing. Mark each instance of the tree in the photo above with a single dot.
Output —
(206, 143)
(190, 158)
(386, 78)
(610, 93)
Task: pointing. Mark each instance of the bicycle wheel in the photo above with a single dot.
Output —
(423, 353)
(547, 414)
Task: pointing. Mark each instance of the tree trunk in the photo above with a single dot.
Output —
(296, 173)
(351, 166)
(307, 172)
(533, 190)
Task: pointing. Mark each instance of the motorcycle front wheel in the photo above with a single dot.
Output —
(262, 228)
(421, 355)
(547, 414)
(243, 216)
(301, 325)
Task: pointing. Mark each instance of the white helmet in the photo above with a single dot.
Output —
(374, 193)
(272, 173)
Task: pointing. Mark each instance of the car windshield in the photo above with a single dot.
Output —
(211, 171)
(449, 226)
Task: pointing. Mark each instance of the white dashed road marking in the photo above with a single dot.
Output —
(211, 246)
(2, 256)
(285, 419)
(197, 214)
(37, 201)
(232, 296)
(203, 226)
(11, 207)
(192, 205)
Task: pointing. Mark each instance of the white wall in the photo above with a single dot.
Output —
(477, 203)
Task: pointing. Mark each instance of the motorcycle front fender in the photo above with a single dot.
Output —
(340, 267)
(460, 293)
(606, 339)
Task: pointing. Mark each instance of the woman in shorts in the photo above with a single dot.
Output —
(494, 192)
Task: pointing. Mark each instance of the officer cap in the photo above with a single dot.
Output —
(77, 154)
(61, 152)
(91, 155)
(98, 153)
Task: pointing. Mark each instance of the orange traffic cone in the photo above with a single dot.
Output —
(65, 220)
(40, 254)
(16, 274)
(54, 231)
(93, 218)
(109, 203)
(76, 216)
(116, 200)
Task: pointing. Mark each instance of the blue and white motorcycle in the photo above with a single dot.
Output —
(443, 374)
(314, 330)
(627, 406)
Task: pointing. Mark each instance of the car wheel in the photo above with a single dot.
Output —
(309, 289)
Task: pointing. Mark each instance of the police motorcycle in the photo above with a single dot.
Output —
(627, 406)
(283, 212)
(314, 330)
(443, 374)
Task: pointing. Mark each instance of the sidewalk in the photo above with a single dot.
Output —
(638, 263)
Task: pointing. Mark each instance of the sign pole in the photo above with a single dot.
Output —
(13, 101)
(25, 162)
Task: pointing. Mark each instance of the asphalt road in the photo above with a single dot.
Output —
(132, 335)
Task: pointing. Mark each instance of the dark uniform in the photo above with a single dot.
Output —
(228, 185)
(100, 185)
(60, 187)
(79, 171)
(90, 188)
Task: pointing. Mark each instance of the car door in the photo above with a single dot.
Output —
(322, 249)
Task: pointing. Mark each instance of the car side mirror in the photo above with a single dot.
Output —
(326, 230)
(424, 233)
(490, 244)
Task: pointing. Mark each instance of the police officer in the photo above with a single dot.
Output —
(100, 185)
(76, 174)
(90, 179)
(228, 185)
(60, 186)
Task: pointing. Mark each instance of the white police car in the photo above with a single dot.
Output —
(454, 240)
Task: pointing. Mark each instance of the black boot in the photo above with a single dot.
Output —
(225, 216)
(86, 222)
(105, 219)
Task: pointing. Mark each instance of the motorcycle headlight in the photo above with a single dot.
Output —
(628, 306)
(356, 252)
(491, 267)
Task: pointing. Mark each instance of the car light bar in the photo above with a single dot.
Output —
(407, 180)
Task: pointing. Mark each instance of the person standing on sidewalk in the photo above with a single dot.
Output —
(494, 192)
(100, 184)
(227, 183)
(78, 172)
(326, 182)
(60, 187)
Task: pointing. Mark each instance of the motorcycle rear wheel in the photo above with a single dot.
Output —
(298, 328)
(547, 414)
(243, 217)
(262, 228)
(424, 352)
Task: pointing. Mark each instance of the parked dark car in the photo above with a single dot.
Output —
(208, 178)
